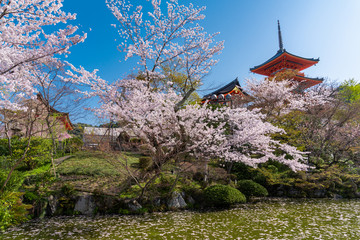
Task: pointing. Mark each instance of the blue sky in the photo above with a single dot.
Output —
(328, 29)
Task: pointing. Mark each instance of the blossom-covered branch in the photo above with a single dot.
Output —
(275, 98)
(166, 37)
(26, 45)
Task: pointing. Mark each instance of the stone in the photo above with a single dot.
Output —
(294, 193)
(157, 202)
(176, 201)
(52, 205)
(85, 204)
(337, 197)
(134, 205)
(319, 193)
(190, 200)
(279, 193)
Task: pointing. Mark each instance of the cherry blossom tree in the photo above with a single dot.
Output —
(152, 109)
(275, 98)
(30, 50)
(25, 44)
(324, 120)
(159, 37)
(230, 135)
(331, 131)
(30, 44)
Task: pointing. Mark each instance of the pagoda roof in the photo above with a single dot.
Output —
(299, 63)
(307, 82)
(311, 79)
(226, 89)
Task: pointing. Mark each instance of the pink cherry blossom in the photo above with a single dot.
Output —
(26, 46)
(194, 129)
(164, 35)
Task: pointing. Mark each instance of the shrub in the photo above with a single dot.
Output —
(145, 162)
(4, 149)
(251, 188)
(123, 211)
(199, 176)
(144, 149)
(223, 196)
(72, 145)
(37, 155)
(12, 210)
(242, 171)
(16, 180)
(135, 140)
(67, 190)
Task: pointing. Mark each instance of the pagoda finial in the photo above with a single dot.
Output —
(281, 48)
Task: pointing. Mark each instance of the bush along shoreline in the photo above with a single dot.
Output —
(188, 194)
(68, 201)
(93, 183)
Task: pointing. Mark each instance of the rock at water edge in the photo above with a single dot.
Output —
(85, 204)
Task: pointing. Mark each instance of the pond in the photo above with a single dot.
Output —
(273, 219)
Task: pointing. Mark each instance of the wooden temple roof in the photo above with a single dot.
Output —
(233, 86)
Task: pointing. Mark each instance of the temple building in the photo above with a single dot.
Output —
(40, 116)
(284, 61)
(231, 94)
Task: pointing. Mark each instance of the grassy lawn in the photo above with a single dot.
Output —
(96, 164)
(93, 171)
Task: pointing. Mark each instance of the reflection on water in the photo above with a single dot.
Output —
(275, 219)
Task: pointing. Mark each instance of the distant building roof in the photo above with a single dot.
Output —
(226, 89)
(114, 132)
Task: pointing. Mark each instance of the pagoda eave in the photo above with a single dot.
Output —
(283, 60)
(307, 82)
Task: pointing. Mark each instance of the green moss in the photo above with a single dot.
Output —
(131, 193)
(123, 211)
(145, 162)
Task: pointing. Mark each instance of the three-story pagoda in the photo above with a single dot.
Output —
(285, 61)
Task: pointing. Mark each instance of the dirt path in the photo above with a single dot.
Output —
(60, 160)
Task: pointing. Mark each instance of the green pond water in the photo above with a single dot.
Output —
(275, 219)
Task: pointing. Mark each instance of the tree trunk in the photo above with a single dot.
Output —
(53, 147)
(8, 138)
